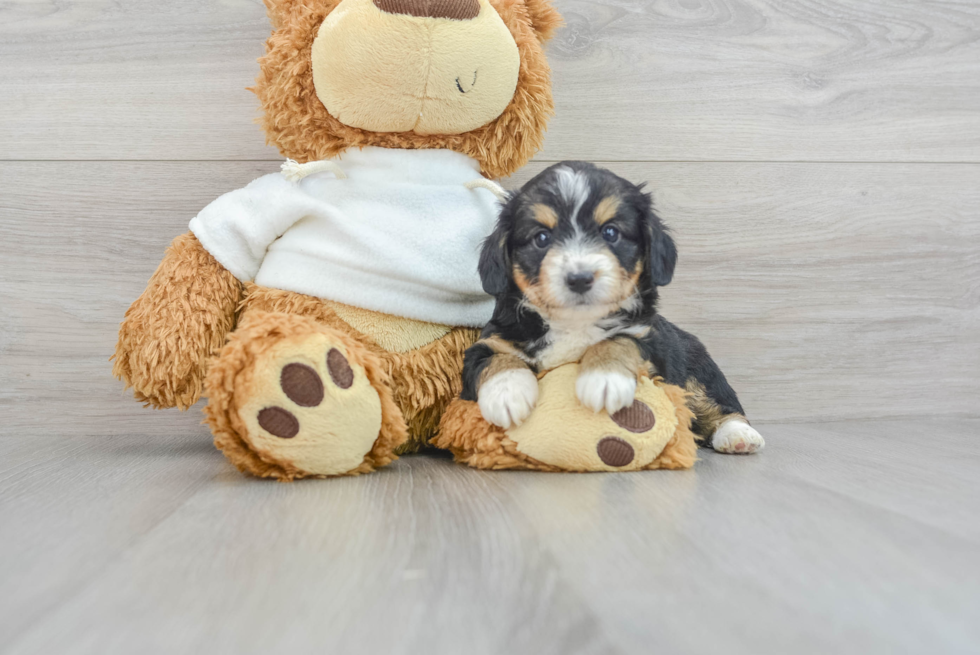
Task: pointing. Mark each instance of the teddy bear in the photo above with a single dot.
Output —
(323, 311)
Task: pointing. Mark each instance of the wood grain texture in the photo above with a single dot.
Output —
(796, 80)
(120, 546)
(734, 80)
(824, 291)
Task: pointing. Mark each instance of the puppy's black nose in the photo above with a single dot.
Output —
(580, 282)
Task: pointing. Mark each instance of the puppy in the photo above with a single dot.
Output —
(574, 264)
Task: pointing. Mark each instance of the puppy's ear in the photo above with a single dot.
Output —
(661, 251)
(545, 19)
(495, 263)
(663, 259)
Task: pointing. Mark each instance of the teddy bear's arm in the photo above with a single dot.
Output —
(170, 333)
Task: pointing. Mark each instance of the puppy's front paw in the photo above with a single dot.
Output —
(737, 438)
(607, 390)
(508, 397)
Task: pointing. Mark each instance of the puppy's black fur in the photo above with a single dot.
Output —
(570, 209)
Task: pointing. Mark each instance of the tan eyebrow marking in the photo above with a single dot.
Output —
(545, 215)
(606, 210)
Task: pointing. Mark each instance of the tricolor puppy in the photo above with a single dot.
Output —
(575, 263)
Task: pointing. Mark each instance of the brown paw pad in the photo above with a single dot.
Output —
(279, 422)
(340, 370)
(614, 451)
(302, 385)
(637, 418)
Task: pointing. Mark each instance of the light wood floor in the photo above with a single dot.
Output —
(819, 163)
(841, 538)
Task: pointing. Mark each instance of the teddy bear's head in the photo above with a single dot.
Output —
(466, 75)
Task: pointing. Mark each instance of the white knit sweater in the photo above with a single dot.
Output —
(401, 235)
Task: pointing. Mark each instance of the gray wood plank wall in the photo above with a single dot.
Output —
(818, 160)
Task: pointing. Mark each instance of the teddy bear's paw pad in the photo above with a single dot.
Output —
(302, 385)
(279, 422)
(616, 452)
(737, 438)
(637, 418)
(340, 371)
(310, 408)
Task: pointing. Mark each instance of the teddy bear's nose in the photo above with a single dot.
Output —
(454, 9)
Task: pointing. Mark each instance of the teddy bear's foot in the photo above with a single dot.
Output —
(561, 434)
(290, 398)
(737, 437)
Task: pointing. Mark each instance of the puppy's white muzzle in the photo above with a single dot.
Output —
(582, 277)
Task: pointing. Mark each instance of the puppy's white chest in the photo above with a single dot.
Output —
(567, 343)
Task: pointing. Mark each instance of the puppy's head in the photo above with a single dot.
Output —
(578, 237)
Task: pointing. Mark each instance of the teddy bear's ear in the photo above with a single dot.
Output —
(545, 19)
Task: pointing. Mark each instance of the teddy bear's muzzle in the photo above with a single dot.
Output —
(424, 66)
(453, 9)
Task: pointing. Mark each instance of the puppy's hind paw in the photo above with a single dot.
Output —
(508, 397)
(737, 438)
(606, 390)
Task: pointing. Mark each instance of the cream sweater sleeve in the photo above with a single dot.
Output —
(239, 227)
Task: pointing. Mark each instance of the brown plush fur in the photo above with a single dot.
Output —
(475, 442)
(177, 325)
(545, 19)
(682, 450)
(423, 381)
(298, 124)
(426, 380)
(258, 332)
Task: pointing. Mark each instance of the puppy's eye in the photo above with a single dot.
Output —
(542, 239)
(610, 234)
